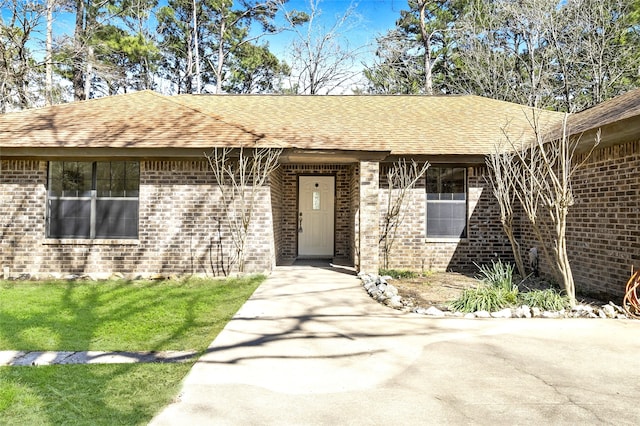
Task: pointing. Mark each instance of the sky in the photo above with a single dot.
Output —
(372, 18)
(375, 17)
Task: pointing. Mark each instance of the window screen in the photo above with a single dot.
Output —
(93, 199)
(446, 202)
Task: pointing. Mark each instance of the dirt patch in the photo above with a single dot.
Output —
(440, 288)
(434, 289)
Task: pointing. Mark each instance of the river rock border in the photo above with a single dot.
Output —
(379, 288)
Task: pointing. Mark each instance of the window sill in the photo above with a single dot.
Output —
(445, 240)
(88, 242)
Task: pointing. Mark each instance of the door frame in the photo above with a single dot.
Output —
(335, 180)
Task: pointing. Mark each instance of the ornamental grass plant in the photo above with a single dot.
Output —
(497, 291)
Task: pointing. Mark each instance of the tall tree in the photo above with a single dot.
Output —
(567, 56)
(254, 69)
(18, 22)
(175, 26)
(417, 50)
(201, 39)
(395, 70)
(320, 57)
(596, 51)
(123, 60)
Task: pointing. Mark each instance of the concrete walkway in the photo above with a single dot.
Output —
(311, 348)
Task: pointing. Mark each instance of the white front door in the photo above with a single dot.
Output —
(315, 216)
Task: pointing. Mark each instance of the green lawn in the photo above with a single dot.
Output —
(106, 316)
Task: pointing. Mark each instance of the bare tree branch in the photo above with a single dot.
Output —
(240, 178)
(401, 178)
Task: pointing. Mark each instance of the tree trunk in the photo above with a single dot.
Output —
(562, 257)
(426, 43)
(78, 40)
(88, 75)
(196, 53)
(48, 83)
(220, 64)
(515, 247)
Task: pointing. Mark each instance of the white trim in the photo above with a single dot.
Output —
(445, 240)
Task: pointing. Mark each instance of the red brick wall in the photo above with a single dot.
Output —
(603, 224)
(277, 204)
(485, 239)
(180, 214)
(603, 228)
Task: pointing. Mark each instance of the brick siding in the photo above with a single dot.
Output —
(485, 239)
(288, 245)
(603, 226)
(180, 228)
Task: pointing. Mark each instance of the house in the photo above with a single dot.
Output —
(121, 184)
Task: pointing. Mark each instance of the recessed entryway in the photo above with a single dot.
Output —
(316, 216)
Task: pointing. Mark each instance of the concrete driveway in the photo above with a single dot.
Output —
(311, 348)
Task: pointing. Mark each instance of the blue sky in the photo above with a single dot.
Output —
(375, 16)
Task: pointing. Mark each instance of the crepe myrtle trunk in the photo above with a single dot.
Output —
(548, 168)
(240, 175)
(401, 178)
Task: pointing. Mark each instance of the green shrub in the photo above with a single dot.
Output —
(485, 298)
(497, 275)
(398, 273)
(548, 300)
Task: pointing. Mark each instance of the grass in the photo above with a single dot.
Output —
(398, 273)
(106, 316)
(485, 298)
(118, 315)
(87, 394)
(548, 299)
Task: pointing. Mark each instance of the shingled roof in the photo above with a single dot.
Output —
(617, 118)
(429, 125)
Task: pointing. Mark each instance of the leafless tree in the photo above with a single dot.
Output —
(401, 178)
(240, 175)
(503, 168)
(545, 180)
(568, 55)
(321, 58)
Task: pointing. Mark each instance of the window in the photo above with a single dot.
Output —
(93, 199)
(446, 202)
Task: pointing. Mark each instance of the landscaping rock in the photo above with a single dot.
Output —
(369, 284)
(609, 311)
(434, 312)
(504, 313)
(394, 302)
(390, 291)
(523, 312)
(389, 295)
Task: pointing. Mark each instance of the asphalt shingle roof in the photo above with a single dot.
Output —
(431, 125)
(614, 110)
